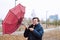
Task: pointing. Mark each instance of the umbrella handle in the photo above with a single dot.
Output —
(25, 26)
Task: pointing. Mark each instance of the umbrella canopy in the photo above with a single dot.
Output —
(13, 19)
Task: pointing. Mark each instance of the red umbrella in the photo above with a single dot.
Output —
(13, 19)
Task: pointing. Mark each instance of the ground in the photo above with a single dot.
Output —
(49, 35)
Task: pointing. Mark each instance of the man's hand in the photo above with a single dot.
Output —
(31, 29)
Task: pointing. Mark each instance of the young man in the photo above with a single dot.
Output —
(34, 31)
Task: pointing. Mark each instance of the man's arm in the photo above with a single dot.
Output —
(38, 34)
(26, 32)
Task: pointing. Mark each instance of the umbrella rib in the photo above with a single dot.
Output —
(14, 14)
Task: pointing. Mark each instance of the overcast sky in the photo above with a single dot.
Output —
(40, 7)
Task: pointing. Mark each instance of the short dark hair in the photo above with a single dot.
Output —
(36, 18)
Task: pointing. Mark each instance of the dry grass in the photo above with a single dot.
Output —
(51, 35)
(12, 37)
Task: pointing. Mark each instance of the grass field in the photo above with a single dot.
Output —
(50, 35)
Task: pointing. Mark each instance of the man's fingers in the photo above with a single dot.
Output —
(31, 29)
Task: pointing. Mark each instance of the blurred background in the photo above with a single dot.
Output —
(48, 11)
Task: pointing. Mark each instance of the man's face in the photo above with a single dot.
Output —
(35, 21)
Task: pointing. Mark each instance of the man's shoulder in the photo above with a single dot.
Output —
(39, 26)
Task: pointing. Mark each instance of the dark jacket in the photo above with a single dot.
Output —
(36, 34)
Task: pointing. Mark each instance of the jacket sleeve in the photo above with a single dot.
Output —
(38, 34)
(26, 33)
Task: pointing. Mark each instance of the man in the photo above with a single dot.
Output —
(34, 31)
